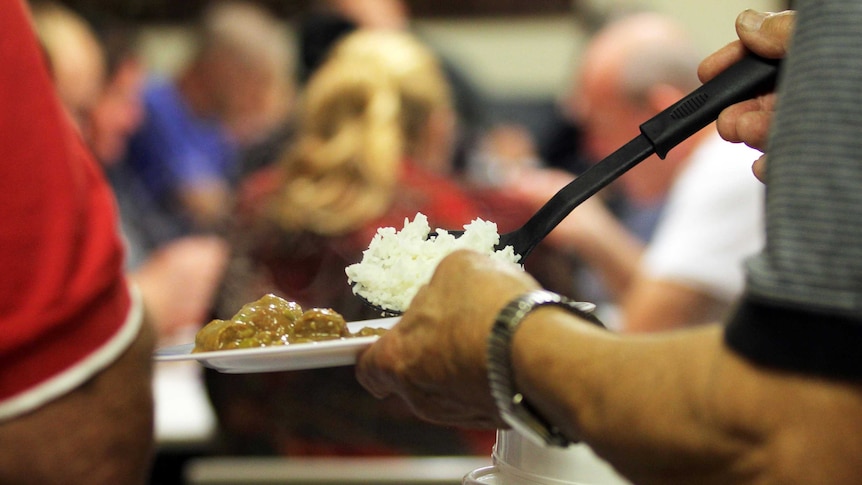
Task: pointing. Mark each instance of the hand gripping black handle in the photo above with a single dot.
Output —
(749, 77)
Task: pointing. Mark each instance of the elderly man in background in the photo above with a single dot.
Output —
(234, 91)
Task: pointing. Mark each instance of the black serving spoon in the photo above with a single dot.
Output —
(743, 80)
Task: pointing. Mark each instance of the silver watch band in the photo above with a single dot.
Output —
(513, 408)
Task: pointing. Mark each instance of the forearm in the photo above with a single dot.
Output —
(656, 304)
(679, 407)
(591, 231)
(615, 383)
(207, 203)
(100, 433)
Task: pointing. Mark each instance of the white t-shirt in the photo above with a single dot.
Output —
(713, 220)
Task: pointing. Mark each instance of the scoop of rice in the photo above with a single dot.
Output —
(397, 263)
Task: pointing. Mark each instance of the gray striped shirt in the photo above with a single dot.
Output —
(803, 298)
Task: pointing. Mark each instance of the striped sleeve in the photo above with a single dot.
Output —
(803, 304)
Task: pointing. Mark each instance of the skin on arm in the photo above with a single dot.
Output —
(657, 304)
(208, 203)
(681, 408)
(590, 231)
(603, 243)
(608, 248)
(179, 280)
(99, 434)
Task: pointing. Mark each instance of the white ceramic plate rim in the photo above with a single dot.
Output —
(328, 353)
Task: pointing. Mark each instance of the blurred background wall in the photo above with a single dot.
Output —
(527, 56)
(510, 49)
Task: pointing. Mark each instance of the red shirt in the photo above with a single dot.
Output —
(64, 305)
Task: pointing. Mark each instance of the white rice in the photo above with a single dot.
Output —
(397, 263)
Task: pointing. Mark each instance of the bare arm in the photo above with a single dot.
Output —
(681, 408)
(179, 280)
(207, 203)
(601, 241)
(99, 434)
(655, 304)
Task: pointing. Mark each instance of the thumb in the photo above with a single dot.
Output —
(766, 34)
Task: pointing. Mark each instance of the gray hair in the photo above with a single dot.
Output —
(247, 32)
(676, 67)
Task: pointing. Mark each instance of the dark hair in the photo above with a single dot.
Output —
(317, 32)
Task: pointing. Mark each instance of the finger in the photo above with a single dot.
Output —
(759, 168)
(748, 121)
(753, 127)
(728, 120)
(720, 60)
(766, 34)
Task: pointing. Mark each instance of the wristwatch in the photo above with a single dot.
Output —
(513, 407)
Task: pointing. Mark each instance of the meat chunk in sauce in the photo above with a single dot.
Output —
(272, 320)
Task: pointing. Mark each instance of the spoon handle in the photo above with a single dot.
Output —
(743, 80)
(746, 79)
(525, 239)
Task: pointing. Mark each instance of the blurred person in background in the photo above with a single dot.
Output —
(677, 247)
(235, 89)
(75, 58)
(99, 78)
(376, 120)
(371, 116)
(75, 357)
(326, 21)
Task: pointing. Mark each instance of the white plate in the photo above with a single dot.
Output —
(312, 355)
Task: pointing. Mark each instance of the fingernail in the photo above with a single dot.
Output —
(751, 20)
